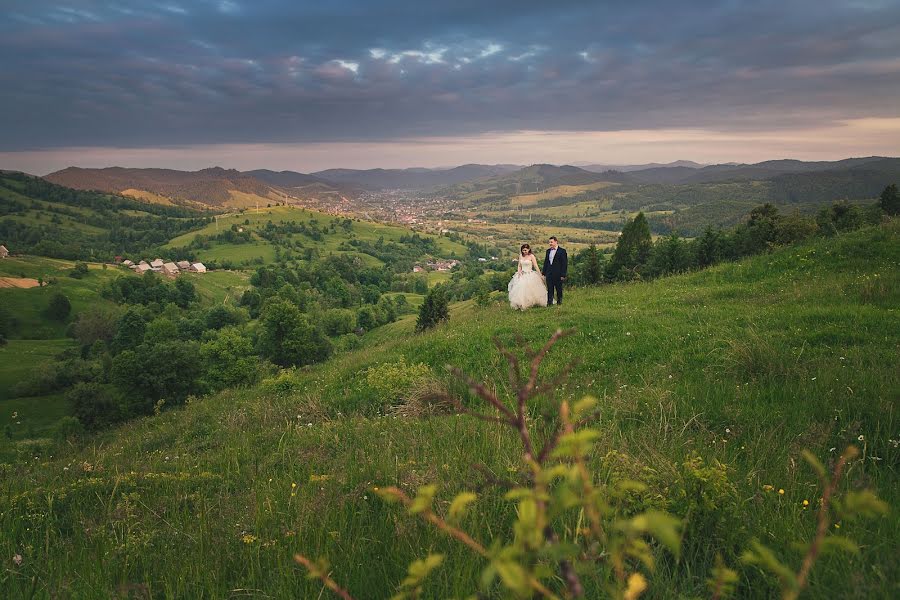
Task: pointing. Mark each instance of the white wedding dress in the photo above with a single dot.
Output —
(527, 288)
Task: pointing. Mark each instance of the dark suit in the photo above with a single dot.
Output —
(555, 273)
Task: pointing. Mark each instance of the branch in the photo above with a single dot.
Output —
(823, 518)
(318, 573)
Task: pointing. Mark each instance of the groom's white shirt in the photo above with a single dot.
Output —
(552, 255)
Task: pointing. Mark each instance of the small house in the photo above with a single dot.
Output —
(128, 263)
(417, 269)
(183, 265)
(3, 252)
(170, 269)
(157, 264)
(141, 268)
(198, 268)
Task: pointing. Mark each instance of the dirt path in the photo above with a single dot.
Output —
(17, 282)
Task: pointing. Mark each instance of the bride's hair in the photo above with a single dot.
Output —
(522, 249)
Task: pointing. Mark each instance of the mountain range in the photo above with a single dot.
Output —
(218, 187)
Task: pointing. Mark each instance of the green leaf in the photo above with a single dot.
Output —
(863, 503)
(835, 543)
(583, 407)
(513, 575)
(764, 558)
(389, 495)
(460, 504)
(662, 526)
(814, 462)
(579, 443)
(423, 499)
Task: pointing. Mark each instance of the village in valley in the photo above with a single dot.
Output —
(169, 269)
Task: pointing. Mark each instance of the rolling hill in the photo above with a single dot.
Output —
(709, 384)
(215, 187)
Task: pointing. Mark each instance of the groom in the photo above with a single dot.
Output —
(556, 266)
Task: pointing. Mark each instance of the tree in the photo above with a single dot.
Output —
(632, 250)
(589, 266)
(434, 309)
(185, 293)
(129, 330)
(889, 201)
(365, 319)
(229, 359)
(95, 324)
(287, 337)
(709, 247)
(59, 307)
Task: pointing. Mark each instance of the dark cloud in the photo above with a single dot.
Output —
(129, 73)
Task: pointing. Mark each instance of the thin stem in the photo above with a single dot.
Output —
(318, 573)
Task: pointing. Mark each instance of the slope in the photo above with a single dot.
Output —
(742, 365)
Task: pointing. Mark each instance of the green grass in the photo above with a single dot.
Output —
(27, 306)
(746, 364)
(19, 357)
(216, 287)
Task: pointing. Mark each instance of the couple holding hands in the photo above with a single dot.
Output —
(527, 288)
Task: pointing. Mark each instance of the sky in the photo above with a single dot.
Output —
(306, 85)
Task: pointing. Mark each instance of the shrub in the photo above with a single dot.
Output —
(391, 382)
(94, 406)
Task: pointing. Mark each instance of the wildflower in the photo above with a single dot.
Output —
(781, 491)
(248, 538)
(365, 497)
(314, 477)
(768, 488)
(837, 525)
(727, 430)
(861, 438)
(17, 559)
(805, 503)
(293, 485)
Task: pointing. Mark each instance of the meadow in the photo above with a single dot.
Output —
(736, 369)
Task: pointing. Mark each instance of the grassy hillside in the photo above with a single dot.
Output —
(743, 365)
(332, 239)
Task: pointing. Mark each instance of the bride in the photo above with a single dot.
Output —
(526, 288)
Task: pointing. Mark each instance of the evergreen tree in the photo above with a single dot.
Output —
(709, 248)
(434, 309)
(889, 201)
(632, 249)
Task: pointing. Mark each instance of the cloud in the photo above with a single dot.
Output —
(133, 74)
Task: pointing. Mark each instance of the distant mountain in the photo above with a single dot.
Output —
(416, 178)
(769, 169)
(629, 168)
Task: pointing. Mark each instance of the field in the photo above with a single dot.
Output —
(741, 366)
(27, 306)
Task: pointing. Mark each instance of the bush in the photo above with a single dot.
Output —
(94, 406)
(391, 382)
(79, 271)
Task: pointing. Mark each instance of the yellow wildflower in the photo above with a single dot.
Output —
(805, 503)
(768, 488)
(781, 491)
(248, 538)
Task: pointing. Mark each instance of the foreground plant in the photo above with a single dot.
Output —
(569, 527)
